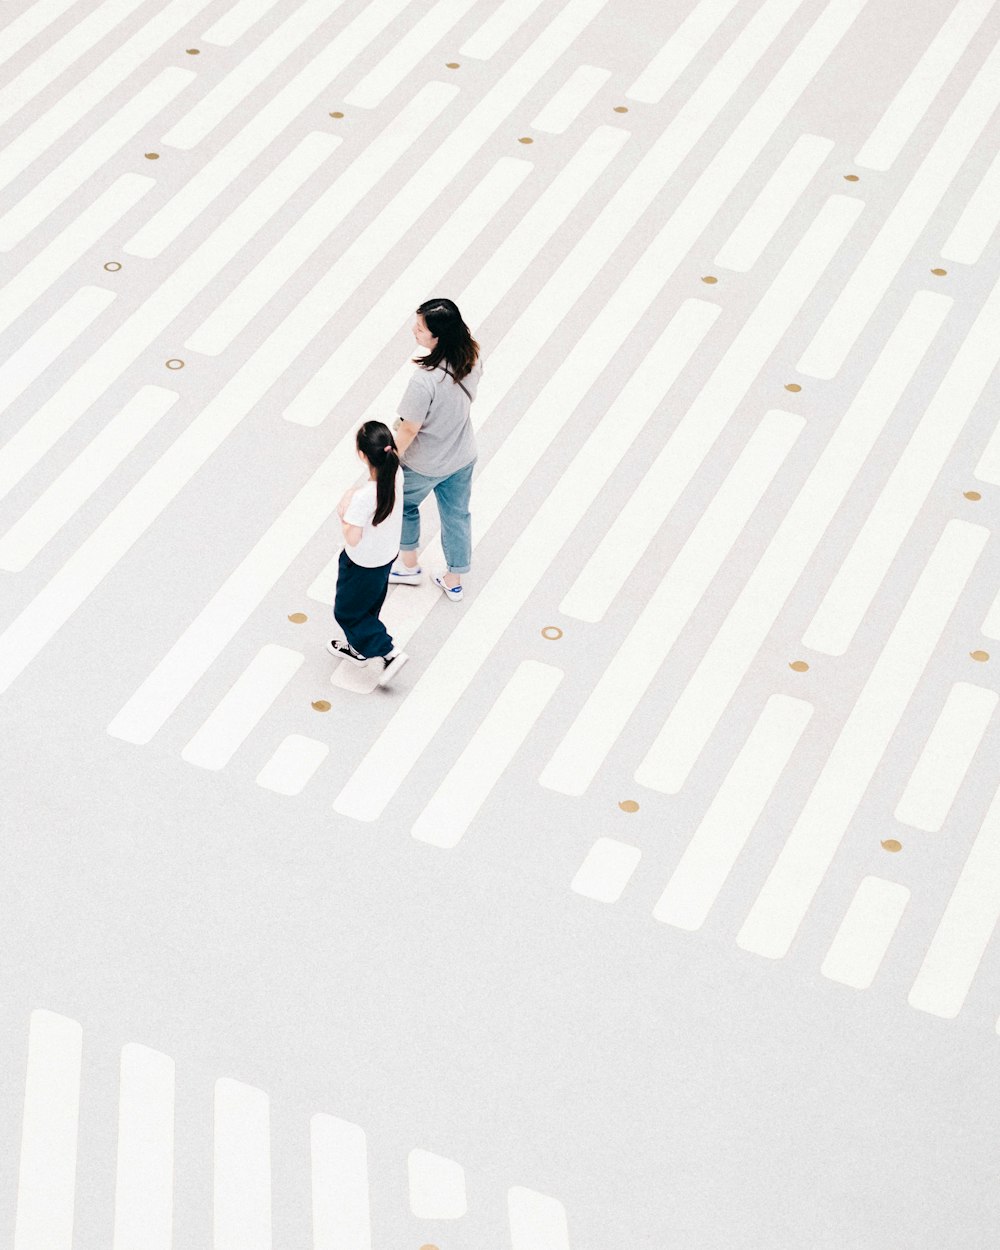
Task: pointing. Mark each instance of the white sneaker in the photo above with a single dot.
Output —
(454, 593)
(391, 664)
(401, 575)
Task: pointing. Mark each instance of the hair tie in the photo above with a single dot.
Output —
(388, 449)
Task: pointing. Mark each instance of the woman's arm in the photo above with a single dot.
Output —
(405, 433)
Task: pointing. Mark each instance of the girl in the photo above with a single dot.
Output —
(371, 516)
(437, 442)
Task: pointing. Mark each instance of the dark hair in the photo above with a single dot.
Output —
(456, 348)
(376, 444)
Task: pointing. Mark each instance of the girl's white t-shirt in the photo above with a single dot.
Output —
(379, 543)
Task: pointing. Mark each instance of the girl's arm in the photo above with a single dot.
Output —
(345, 500)
(352, 533)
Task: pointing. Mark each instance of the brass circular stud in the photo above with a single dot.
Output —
(174, 363)
(112, 266)
(552, 632)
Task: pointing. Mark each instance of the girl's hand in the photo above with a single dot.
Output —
(342, 506)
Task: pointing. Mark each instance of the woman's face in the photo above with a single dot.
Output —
(423, 335)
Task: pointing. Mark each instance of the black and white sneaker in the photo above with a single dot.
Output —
(344, 651)
(391, 664)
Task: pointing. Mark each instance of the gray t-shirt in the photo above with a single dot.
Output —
(434, 401)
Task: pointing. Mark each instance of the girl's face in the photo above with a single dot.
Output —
(423, 335)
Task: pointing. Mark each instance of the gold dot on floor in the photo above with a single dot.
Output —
(428, 1247)
(298, 618)
(112, 266)
(793, 387)
(322, 705)
(851, 178)
(152, 156)
(194, 51)
(451, 65)
(526, 140)
(174, 363)
(980, 656)
(336, 114)
(939, 273)
(629, 805)
(974, 495)
(799, 666)
(552, 633)
(620, 108)
(710, 279)
(892, 844)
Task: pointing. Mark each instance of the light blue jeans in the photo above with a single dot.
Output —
(452, 493)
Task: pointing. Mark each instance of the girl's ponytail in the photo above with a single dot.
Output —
(376, 443)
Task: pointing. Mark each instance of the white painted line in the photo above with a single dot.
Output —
(671, 606)
(680, 50)
(144, 1188)
(408, 52)
(292, 765)
(649, 505)
(728, 658)
(606, 871)
(261, 62)
(571, 99)
(966, 927)
(457, 233)
(455, 804)
(56, 57)
(23, 28)
(320, 221)
(242, 1208)
(80, 479)
(46, 1186)
(504, 22)
(537, 1222)
(742, 249)
(234, 23)
(243, 706)
(978, 221)
(946, 757)
(92, 155)
(725, 828)
(812, 844)
(69, 245)
(868, 927)
(114, 356)
(111, 70)
(991, 625)
(925, 80)
(50, 340)
(871, 279)
(341, 1206)
(652, 271)
(511, 258)
(913, 477)
(437, 1186)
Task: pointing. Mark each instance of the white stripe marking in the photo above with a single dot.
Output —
(437, 1186)
(742, 249)
(923, 83)
(234, 23)
(504, 22)
(966, 927)
(725, 828)
(48, 342)
(242, 1207)
(606, 871)
(991, 625)
(871, 279)
(46, 1186)
(671, 606)
(23, 28)
(340, 1201)
(812, 844)
(946, 757)
(242, 707)
(978, 221)
(869, 924)
(144, 1188)
(571, 99)
(487, 755)
(701, 704)
(79, 480)
(537, 1222)
(292, 765)
(680, 50)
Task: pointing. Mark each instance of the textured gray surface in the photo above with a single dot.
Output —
(667, 1087)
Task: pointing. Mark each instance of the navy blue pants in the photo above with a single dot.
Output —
(360, 595)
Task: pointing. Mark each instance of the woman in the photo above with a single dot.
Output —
(437, 444)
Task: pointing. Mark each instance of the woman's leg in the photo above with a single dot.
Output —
(416, 488)
(452, 495)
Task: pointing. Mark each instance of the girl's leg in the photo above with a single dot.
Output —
(350, 604)
(416, 488)
(452, 495)
(368, 634)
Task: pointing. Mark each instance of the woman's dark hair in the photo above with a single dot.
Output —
(456, 348)
(377, 445)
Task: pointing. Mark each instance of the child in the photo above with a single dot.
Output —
(371, 516)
